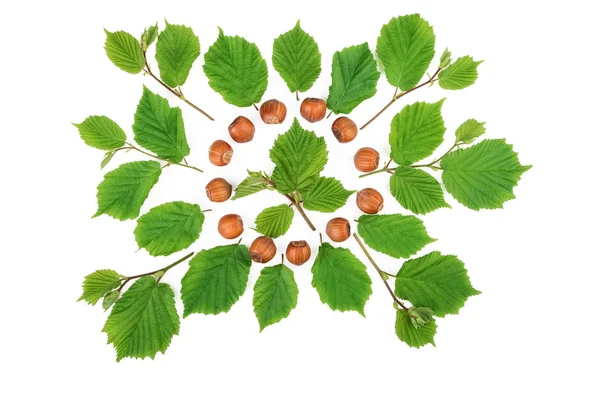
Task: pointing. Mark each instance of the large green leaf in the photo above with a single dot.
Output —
(354, 77)
(416, 132)
(405, 47)
(99, 283)
(341, 279)
(469, 130)
(169, 227)
(435, 281)
(254, 183)
(236, 70)
(484, 175)
(124, 190)
(416, 190)
(124, 51)
(143, 321)
(216, 279)
(396, 235)
(101, 132)
(414, 337)
(274, 221)
(159, 128)
(176, 50)
(297, 58)
(299, 157)
(460, 74)
(325, 195)
(275, 295)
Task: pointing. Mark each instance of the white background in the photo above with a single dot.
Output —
(533, 333)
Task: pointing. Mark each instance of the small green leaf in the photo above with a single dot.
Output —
(341, 279)
(420, 316)
(176, 50)
(297, 58)
(274, 221)
(99, 283)
(416, 132)
(144, 320)
(216, 279)
(124, 51)
(159, 127)
(236, 70)
(445, 59)
(460, 74)
(405, 47)
(299, 157)
(396, 235)
(325, 195)
(484, 175)
(470, 130)
(169, 228)
(149, 36)
(416, 190)
(275, 295)
(437, 282)
(414, 337)
(124, 190)
(254, 183)
(110, 299)
(101, 133)
(354, 77)
(107, 158)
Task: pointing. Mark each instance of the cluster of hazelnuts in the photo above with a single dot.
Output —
(242, 130)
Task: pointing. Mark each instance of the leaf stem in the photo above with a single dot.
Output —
(385, 169)
(132, 147)
(174, 91)
(297, 96)
(295, 204)
(400, 95)
(255, 107)
(431, 164)
(163, 270)
(387, 285)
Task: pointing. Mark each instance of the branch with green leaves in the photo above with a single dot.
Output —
(177, 47)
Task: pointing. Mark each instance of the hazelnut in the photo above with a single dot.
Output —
(338, 229)
(241, 130)
(366, 159)
(231, 226)
(369, 201)
(219, 153)
(312, 109)
(273, 112)
(218, 190)
(344, 129)
(262, 249)
(298, 252)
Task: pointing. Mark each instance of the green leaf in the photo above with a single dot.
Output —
(460, 74)
(325, 195)
(416, 190)
(299, 157)
(396, 235)
(414, 337)
(236, 70)
(341, 279)
(124, 51)
(109, 299)
(124, 190)
(169, 228)
(101, 133)
(159, 127)
(176, 50)
(445, 59)
(405, 47)
(99, 283)
(354, 77)
(484, 175)
(149, 36)
(107, 158)
(274, 221)
(297, 58)
(254, 183)
(437, 282)
(216, 279)
(275, 295)
(470, 130)
(416, 132)
(143, 321)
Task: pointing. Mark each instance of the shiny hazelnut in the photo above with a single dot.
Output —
(298, 252)
(231, 226)
(241, 130)
(369, 201)
(344, 129)
(366, 159)
(219, 153)
(338, 229)
(273, 112)
(218, 190)
(312, 109)
(262, 249)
